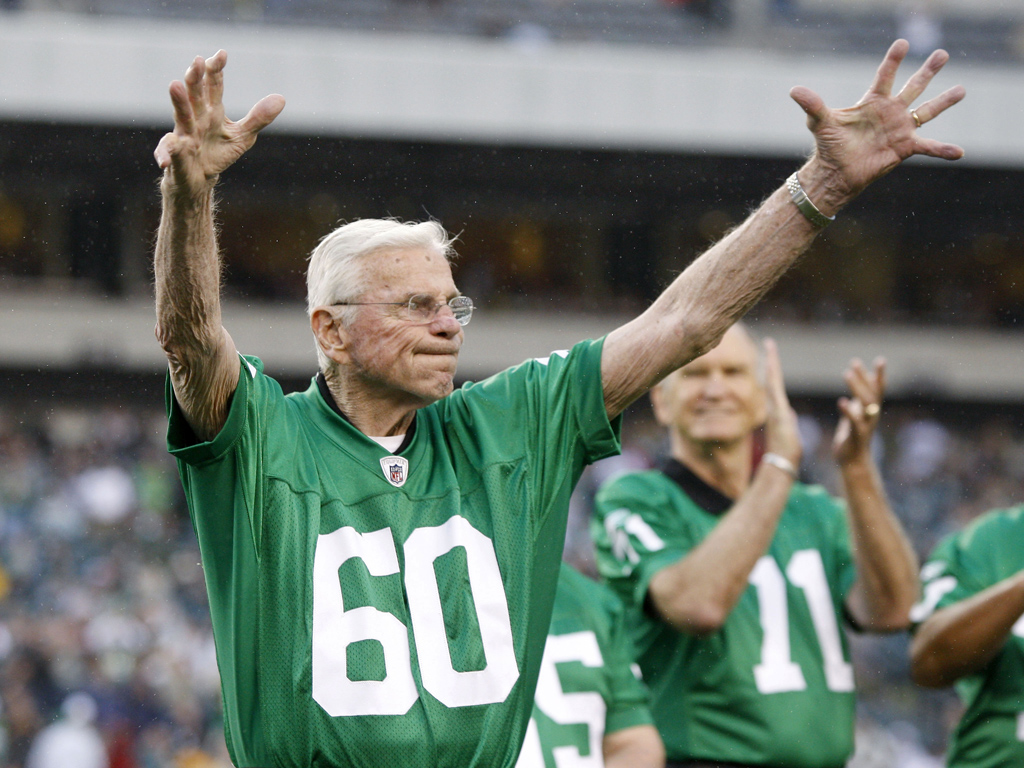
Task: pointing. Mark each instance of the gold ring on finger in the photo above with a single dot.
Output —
(917, 119)
(872, 409)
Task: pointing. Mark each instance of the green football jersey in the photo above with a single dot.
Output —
(588, 684)
(990, 549)
(375, 610)
(774, 686)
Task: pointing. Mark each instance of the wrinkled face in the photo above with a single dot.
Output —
(399, 358)
(716, 399)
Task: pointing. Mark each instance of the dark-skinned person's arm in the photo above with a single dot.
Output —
(963, 638)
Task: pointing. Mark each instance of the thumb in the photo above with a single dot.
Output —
(847, 408)
(262, 114)
(811, 103)
(165, 150)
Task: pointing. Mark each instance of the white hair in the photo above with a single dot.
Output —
(336, 267)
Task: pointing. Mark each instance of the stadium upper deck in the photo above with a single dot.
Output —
(981, 30)
(581, 175)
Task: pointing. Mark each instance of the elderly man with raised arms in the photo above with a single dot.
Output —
(381, 552)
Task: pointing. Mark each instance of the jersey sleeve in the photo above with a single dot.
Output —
(222, 479)
(549, 411)
(221, 476)
(628, 704)
(961, 566)
(636, 535)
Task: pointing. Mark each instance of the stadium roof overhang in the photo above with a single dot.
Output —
(107, 71)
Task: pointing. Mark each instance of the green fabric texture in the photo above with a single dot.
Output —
(363, 610)
(991, 732)
(708, 700)
(588, 685)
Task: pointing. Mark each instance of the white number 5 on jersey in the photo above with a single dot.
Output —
(565, 708)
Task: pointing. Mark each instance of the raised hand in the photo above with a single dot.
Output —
(204, 142)
(781, 433)
(860, 412)
(864, 142)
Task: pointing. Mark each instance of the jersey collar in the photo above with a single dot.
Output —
(711, 500)
(328, 398)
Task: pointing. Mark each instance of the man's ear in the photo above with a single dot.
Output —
(660, 394)
(330, 334)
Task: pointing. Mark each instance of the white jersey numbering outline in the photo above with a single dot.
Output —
(335, 629)
(564, 708)
(777, 671)
(936, 586)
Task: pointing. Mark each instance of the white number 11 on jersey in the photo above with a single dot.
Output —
(777, 671)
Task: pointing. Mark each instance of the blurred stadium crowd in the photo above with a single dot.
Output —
(102, 592)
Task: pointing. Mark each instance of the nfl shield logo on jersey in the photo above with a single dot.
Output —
(396, 470)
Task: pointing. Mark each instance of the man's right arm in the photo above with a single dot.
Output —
(962, 638)
(636, 747)
(696, 594)
(204, 366)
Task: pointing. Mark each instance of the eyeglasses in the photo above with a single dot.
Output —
(423, 308)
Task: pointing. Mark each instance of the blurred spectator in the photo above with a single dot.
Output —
(101, 589)
(72, 740)
(529, 36)
(920, 26)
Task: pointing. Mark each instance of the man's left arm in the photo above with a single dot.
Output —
(887, 582)
(853, 147)
(636, 747)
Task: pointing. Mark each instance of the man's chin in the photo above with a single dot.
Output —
(718, 437)
(438, 389)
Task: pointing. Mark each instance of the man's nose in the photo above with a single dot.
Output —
(444, 323)
(714, 384)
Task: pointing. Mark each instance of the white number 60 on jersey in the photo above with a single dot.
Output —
(335, 629)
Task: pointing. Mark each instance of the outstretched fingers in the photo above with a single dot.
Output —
(194, 78)
(215, 77)
(165, 149)
(917, 83)
(929, 111)
(939, 149)
(184, 116)
(866, 386)
(886, 74)
(936, 106)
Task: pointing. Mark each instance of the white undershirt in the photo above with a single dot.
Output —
(389, 443)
